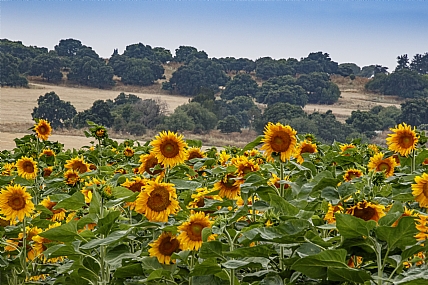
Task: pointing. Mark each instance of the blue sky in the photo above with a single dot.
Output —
(363, 32)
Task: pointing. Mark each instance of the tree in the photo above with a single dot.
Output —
(319, 88)
(420, 63)
(9, 73)
(356, 70)
(186, 54)
(162, 54)
(317, 62)
(138, 72)
(367, 71)
(140, 51)
(414, 112)
(276, 112)
(203, 119)
(48, 66)
(241, 85)
(91, 72)
(50, 107)
(402, 62)
(68, 47)
(179, 121)
(230, 124)
(99, 113)
(364, 122)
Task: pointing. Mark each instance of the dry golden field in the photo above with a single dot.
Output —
(16, 105)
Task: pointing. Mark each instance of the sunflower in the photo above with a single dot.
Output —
(71, 177)
(352, 173)
(224, 158)
(43, 129)
(164, 247)
(345, 147)
(48, 152)
(87, 189)
(200, 196)
(190, 237)
(279, 139)
(229, 187)
(169, 148)
(252, 152)
(422, 227)
(148, 161)
(378, 163)
(329, 216)
(40, 245)
(15, 202)
(135, 184)
(157, 201)
(274, 181)
(27, 167)
(244, 165)
(128, 152)
(406, 213)
(425, 162)
(7, 169)
(373, 148)
(57, 215)
(304, 147)
(367, 211)
(194, 152)
(100, 133)
(47, 171)
(420, 190)
(77, 163)
(403, 139)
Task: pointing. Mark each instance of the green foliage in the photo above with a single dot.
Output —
(317, 62)
(231, 64)
(20, 51)
(141, 72)
(178, 121)
(355, 69)
(203, 119)
(319, 88)
(241, 85)
(91, 72)
(420, 63)
(186, 54)
(9, 72)
(414, 112)
(199, 73)
(276, 112)
(283, 89)
(364, 122)
(99, 113)
(48, 66)
(230, 124)
(68, 47)
(50, 107)
(266, 67)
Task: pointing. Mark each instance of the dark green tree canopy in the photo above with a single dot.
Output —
(9, 72)
(229, 124)
(91, 72)
(414, 112)
(241, 85)
(68, 47)
(203, 119)
(364, 122)
(50, 107)
(276, 112)
(48, 66)
(186, 54)
(319, 88)
(282, 89)
(99, 113)
(420, 63)
(20, 51)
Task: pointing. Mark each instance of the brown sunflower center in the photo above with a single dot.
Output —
(16, 202)
(406, 141)
(136, 187)
(383, 166)
(194, 154)
(280, 142)
(159, 199)
(42, 130)
(168, 246)
(365, 213)
(195, 231)
(247, 169)
(425, 189)
(28, 167)
(201, 202)
(307, 149)
(170, 149)
(82, 168)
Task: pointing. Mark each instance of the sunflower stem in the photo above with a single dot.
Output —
(24, 249)
(413, 167)
(192, 264)
(281, 177)
(252, 208)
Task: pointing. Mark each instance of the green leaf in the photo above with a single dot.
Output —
(186, 184)
(348, 274)
(105, 225)
(121, 192)
(272, 279)
(207, 267)
(211, 249)
(251, 262)
(95, 206)
(281, 206)
(73, 203)
(400, 236)
(129, 270)
(315, 266)
(112, 238)
(61, 250)
(159, 274)
(352, 227)
(264, 250)
(346, 189)
(307, 249)
(253, 144)
(65, 233)
(331, 195)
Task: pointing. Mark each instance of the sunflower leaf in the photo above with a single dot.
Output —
(353, 227)
(400, 236)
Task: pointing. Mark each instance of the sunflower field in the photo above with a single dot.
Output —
(285, 209)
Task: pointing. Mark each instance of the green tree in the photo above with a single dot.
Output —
(420, 63)
(91, 72)
(162, 54)
(414, 112)
(179, 121)
(186, 54)
(203, 119)
(50, 107)
(241, 85)
(138, 72)
(99, 113)
(364, 122)
(68, 47)
(48, 66)
(276, 112)
(140, 51)
(317, 62)
(9, 72)
(319, 88)
(230, 124)
(329, 128)
(356, 70)
(402, 62)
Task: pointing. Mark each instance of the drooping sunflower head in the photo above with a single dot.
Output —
(15, 202)
(78, 164)
(279, 139)
(135, 184)
(157, 201)
(195, 152)
(57, 214)
(373, 148)
(165, 245)
(199, 197)
(100, 132)
(304, 147)
(148, 161)
(27, 167)
(43, 129)
(329, 216)
(345, 147)
(420, 190)
(169, 148)
(402, 140)
(378, 164)
(244, 165)
(367, 211)
(191, 231)
(48, 152)
(71, 177)
(7, 168)
(422, 227)
(128, 152)
(223, 158)
(229, 187)
(351, 174)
